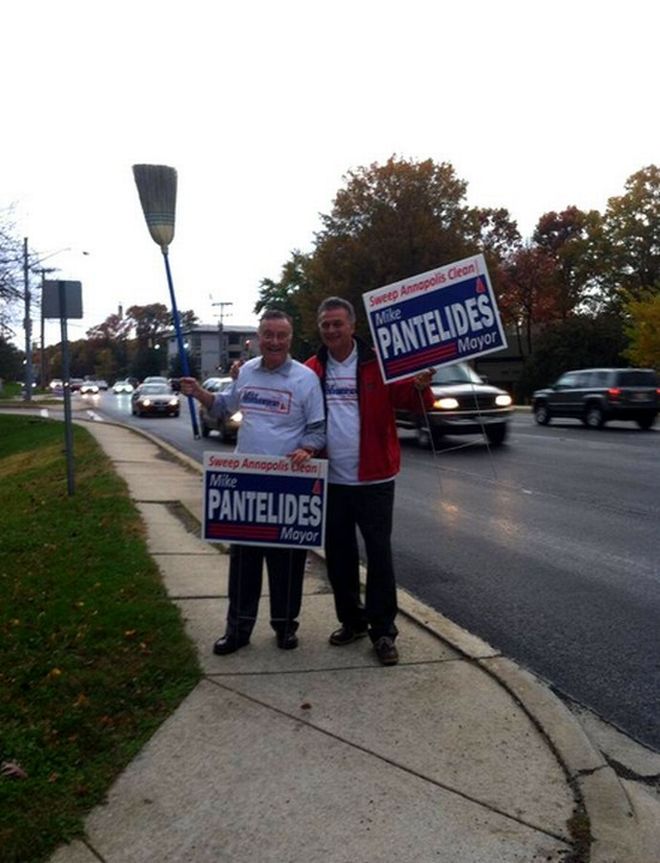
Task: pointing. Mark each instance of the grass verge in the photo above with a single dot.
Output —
(93, 656)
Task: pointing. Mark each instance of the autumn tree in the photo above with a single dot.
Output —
(526, 295)
(388, 222)
(643, 331)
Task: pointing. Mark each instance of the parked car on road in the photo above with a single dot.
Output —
(595, 396)
(463, 404)
(122, 387)
(56, 385)
(228, 427)
(75, 384)
(155, 400)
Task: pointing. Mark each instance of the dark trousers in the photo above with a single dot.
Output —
(369, 509)
(286, 568)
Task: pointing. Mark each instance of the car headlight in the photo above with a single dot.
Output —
(237, 417)
(174, 401)
(145, 402)
(446, 404)
(503, 401)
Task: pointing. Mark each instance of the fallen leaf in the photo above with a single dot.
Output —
(12, 770)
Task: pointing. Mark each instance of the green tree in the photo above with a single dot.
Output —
(287, 294)
(111, 347)
(643, 331)
(11, 361)
(568, 238)
(175, 367)
(581, 341)
(630, 245)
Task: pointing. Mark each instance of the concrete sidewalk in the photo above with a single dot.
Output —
(320, 754)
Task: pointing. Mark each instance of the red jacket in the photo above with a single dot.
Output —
(380, 453)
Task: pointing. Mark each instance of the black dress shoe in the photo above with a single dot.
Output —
(287, 640)
(346, 635)
(386, 651)
(229, 644)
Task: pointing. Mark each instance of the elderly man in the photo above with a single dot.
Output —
(363, 459)
(283, 414)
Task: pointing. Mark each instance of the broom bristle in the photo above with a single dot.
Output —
(156, 185)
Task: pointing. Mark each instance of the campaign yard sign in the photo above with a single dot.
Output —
(264, 500)
(434, 319)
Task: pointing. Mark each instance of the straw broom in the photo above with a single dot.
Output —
(156, 185)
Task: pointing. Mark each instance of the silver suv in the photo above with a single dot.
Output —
(595, 396)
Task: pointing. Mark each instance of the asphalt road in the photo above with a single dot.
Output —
(547, 548)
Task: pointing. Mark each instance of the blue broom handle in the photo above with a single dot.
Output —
(179, 340)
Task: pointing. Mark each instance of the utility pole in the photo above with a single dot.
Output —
(43, 376)
(221, 337)
(27, 323)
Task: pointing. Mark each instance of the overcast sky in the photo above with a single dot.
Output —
(262, 107)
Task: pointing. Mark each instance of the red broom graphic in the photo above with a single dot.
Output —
(156, 185)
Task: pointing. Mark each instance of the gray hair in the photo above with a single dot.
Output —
(336, 303)
(275, 315)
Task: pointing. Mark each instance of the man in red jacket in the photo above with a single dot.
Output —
(363, 459)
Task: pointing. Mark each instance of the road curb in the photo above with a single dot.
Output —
(611, 822)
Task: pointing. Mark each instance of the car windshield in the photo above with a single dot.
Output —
(155, 390)
(457, 374)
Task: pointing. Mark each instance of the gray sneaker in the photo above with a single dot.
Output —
(386, 651)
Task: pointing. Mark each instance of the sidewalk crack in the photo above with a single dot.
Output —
(409, 770)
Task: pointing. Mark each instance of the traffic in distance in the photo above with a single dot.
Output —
(546, 546)
(464, 402)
